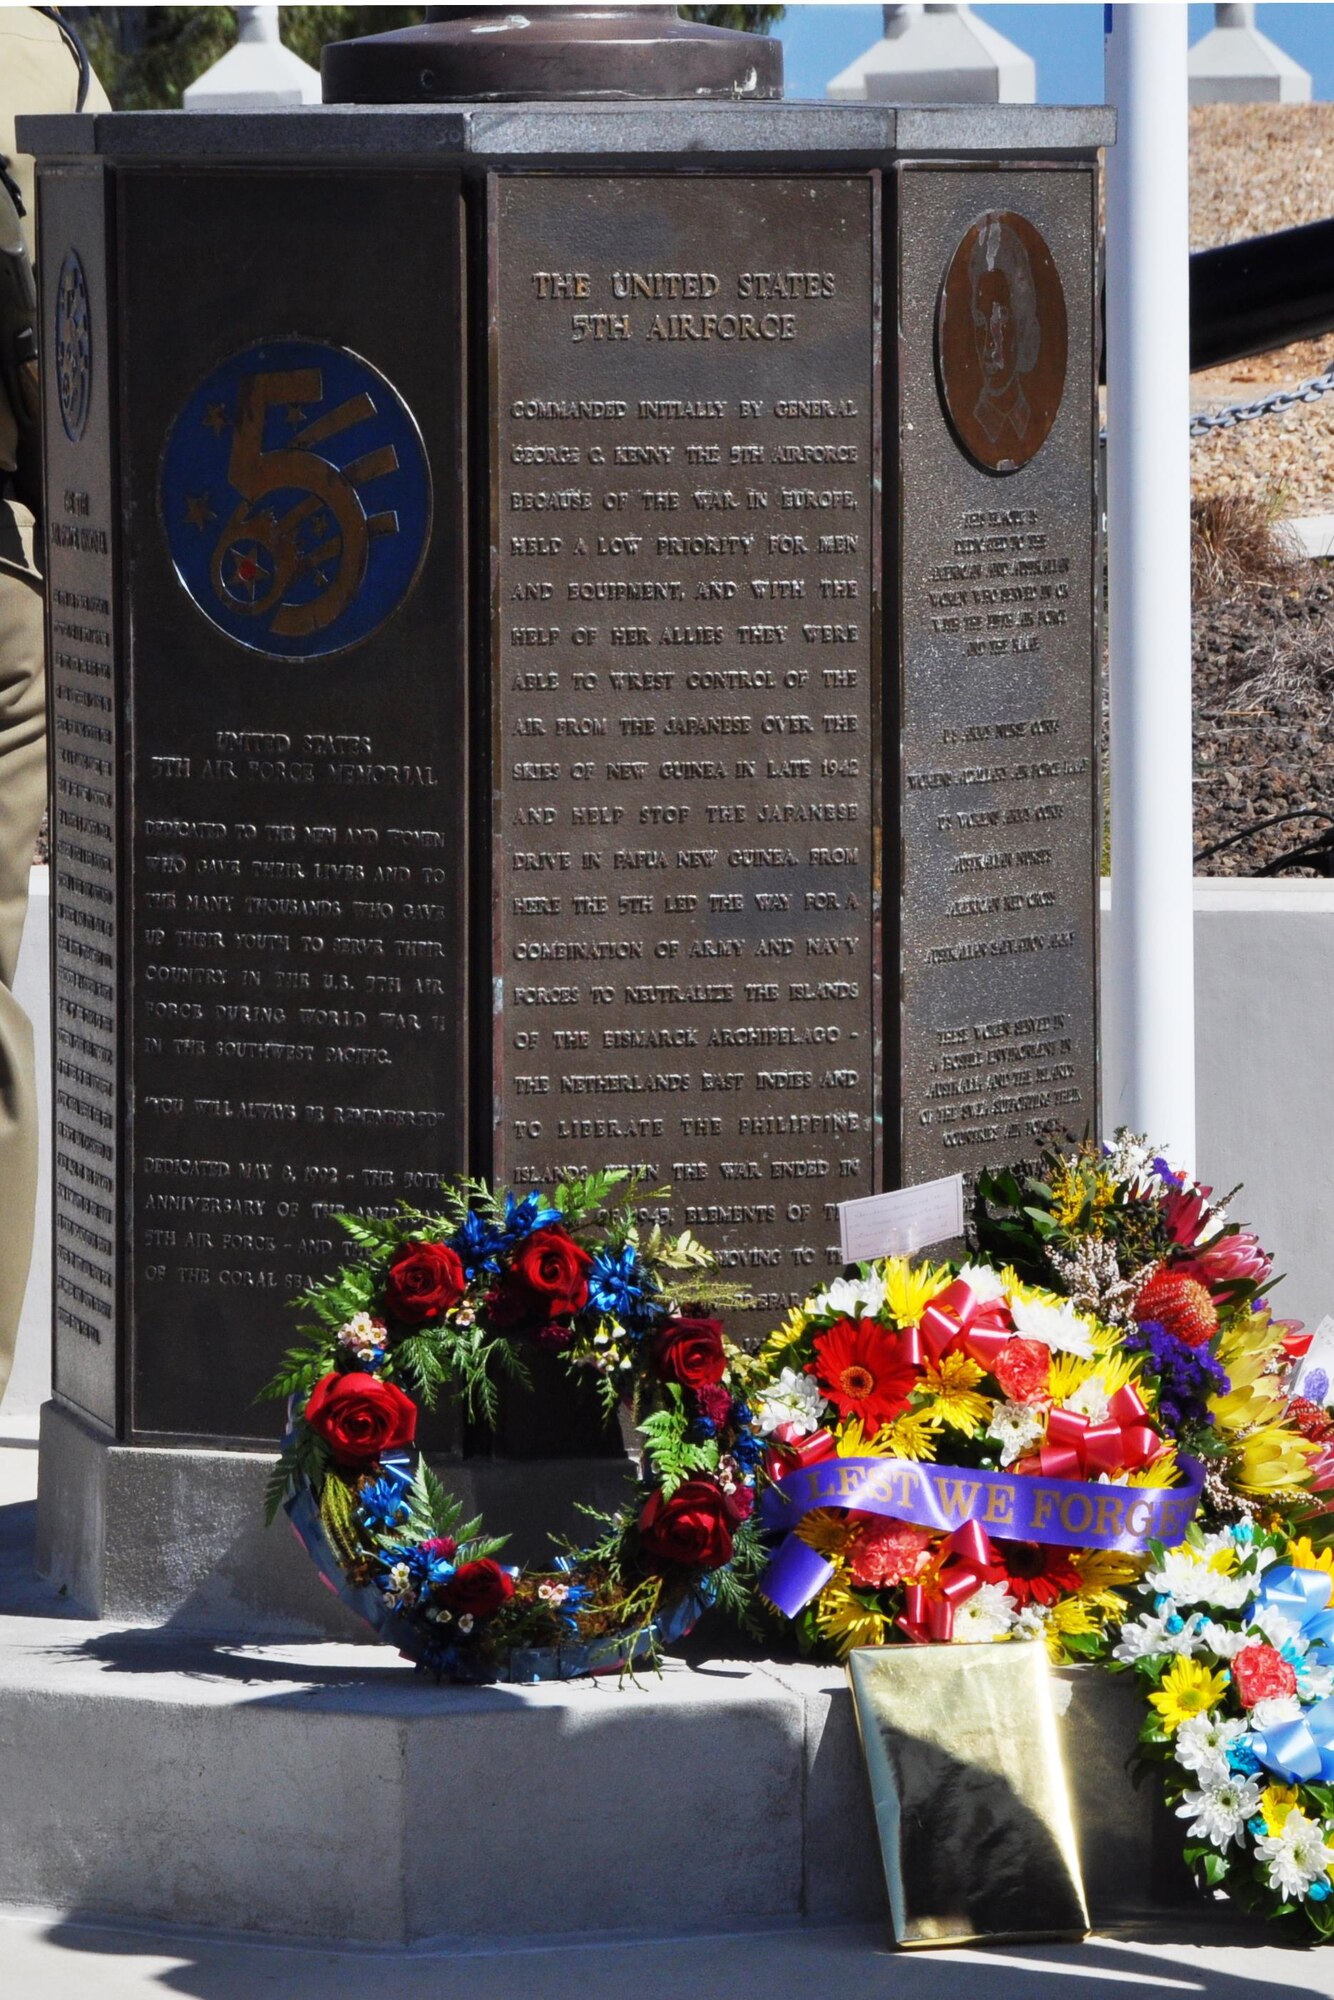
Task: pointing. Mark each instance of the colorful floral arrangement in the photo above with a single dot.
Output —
(1109, 1333)
(458, 1302)
(1235, 1642)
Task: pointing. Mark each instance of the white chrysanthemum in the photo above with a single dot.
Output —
(1218, 1812)
(1058, 1327)
(1149, 1634)
(1202, 1743)
(985, 1284)
(1314, 1683)
(1223, 1640)
(1278, 1628)
(1031, 1622)
(1186, 1578)
(1295, 1856)
(1016, 1428)
(1278, 1708)
(791, 1398)
(1090, 1400)
(988, 1614)
(859, 1298)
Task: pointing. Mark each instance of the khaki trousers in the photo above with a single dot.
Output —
(22, 797)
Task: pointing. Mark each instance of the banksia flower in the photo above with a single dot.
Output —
(1182, 1305)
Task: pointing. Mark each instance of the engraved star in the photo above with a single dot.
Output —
(215, 416)
(295, 414)
(198, 513)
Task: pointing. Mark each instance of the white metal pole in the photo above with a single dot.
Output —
(1149, 1071)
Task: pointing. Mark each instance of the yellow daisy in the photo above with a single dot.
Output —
(852, 1440)
(846, 1622)
(825, 1529)
(909, 1290)
(1187, 1689)
(951, 1387)
(1164, 1471)
(777, 1348)
(1070, 1373)
(1103, 1574)
(1276, 1802)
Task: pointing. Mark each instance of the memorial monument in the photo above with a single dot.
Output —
(574, 613)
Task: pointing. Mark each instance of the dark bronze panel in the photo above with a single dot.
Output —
(998, 631)
(685, 485)
(297, 670)
(83, 666)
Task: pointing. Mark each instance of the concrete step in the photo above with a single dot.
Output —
(326, 1790)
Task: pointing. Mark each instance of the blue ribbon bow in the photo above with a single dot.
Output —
(1302, 1750)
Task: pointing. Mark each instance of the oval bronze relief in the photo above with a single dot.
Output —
(1001, 341)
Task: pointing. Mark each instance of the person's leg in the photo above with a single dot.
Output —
(22, 796)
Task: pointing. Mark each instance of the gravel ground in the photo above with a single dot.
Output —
(1264, 718)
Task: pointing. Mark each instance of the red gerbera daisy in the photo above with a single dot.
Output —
(864, 1370)
(1036, 1573)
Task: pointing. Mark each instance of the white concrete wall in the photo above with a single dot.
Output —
(1264, 974)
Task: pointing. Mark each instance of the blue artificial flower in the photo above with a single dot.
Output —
(1319, 1889)
(425, 1567)
(748, 1451)
(1256, 1827)
(621, 1287)
(1167, 1174)
(523, 1217)
(478, 1244)
(1176, 1623)
(383, 1503)
(1244, 1531)
(1242, 1758)
(703, 1427)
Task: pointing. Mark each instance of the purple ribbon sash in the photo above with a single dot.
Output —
(1073, 1513)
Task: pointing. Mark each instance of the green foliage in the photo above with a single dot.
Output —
(338, 1515)
(668, 1447)
(303, 1460)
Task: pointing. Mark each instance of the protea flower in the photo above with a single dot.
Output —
(1177, 1301)
(1185, 1212)
(1230, 1261)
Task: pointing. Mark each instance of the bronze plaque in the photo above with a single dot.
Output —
(685, 719)
(998, 804)
(1001, 340)
(295, 836)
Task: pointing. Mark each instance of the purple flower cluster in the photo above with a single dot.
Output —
(1187, 1377)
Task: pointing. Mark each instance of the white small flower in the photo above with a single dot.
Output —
(985, 1284)
(988, 1614)
(1202, 1744)
(1221, 1810)
(1090, 1400)
(1278, 1628)
(466, 1622)
(857, 1298)
(1031, 1622)
(728, 1473)
(399, 1589)
(1314, 1683)
(363, 1336)
(1149, 1634)
(1295, 1856)
(1015, 1427)
(1058, 1327)
(553, 1593)
(792, 1398)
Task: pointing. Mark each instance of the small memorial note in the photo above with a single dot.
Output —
(1313, 1376)
(900, 1223)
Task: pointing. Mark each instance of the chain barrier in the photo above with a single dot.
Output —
(1267, 406)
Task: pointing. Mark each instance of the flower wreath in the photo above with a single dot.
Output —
(969, 1453)
(454, 1302)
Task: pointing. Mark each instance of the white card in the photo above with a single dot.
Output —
(1318, 1360)
(902, 1222)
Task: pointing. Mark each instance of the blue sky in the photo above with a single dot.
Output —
(1064, 38)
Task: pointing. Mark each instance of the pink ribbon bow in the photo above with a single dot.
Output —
(1079, 1449)
(967, 1561)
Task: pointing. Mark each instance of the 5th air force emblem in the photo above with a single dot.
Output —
(296, 499)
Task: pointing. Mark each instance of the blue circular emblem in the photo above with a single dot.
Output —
(74, 347)
(296, 499)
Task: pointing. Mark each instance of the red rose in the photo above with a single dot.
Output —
(1259, 1673)
(423, 1282)
(1023, 1369)
(477, 1588)
(548, 1280)
(689, 1351)
(692, 1530)
(360, 1417)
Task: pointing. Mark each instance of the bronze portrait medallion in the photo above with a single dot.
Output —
(1001, 341)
